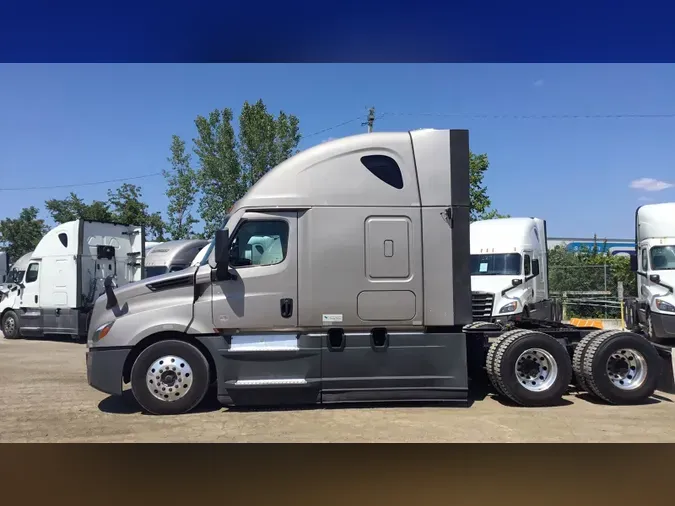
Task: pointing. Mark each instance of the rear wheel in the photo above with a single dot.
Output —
(10, 325)
(533, 369)
(621, 368)
(578, 359)
(169, 378)
(492, 354)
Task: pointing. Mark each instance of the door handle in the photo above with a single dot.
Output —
(286, 308)
(36, 299)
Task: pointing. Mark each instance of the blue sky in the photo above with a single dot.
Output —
(72, 124)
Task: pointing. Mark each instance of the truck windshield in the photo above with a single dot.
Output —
(155, 271)
(507, 264)
(663, 258)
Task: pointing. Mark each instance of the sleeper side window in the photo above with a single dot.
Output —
(32, 272)
(259, 242)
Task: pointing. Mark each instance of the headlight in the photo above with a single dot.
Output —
(102, 331)
(509, 308)
(662, 305)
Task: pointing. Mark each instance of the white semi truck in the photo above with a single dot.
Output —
(653, 310)
(509, 271)
(57, 284)
(362, 294)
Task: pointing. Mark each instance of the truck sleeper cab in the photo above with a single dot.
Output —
(362, 293)
(65, 274)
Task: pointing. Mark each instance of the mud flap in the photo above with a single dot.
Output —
(667, 378)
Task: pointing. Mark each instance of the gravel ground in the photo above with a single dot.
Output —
(44, 397)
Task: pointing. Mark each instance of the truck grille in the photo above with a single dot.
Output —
(481, 305)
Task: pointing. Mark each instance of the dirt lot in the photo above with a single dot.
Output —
(44, 397)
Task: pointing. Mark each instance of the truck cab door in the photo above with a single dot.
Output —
(265, 358)
(31, 318)
(530, 286)
(643, 284)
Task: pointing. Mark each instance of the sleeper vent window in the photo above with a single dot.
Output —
(385, 169)
(64, 239)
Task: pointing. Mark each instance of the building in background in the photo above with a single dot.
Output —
(614, 246)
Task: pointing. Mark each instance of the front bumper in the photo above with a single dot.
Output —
(664, 325)
(105, 367)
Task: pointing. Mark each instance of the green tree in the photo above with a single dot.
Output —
(74, 208)
(129, 209)
(481, 205)
(181, 191)
(230, 165)
(21, 235)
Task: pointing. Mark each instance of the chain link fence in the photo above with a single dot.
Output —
(589, 291)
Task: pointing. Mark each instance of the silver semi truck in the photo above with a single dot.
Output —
(362, 294)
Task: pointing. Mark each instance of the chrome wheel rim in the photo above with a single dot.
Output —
(10, 325)
(536, 370)
(627, 369)
(169, 378)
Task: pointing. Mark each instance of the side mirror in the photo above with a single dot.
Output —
(535, 267)
(655, 278)
(516, 281)
(221, 247)
(222, 254)
(633, 263)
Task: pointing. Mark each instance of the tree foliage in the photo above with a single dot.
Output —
(74, 208)
(125, 205)
(590, 270)
(20, 235)
(181, 191)
(481, 204)
(229, 165)
(128, 208)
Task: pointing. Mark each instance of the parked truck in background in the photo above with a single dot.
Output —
(363, 294)
(56, 290)
(172, 256)
(509, 271)
(4, 266)
(653, 310)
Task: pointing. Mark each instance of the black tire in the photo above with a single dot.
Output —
(10, 325)
(578, 358)
(595, 367)
(506, 360)
(191, 357)
(492, 353)
(486, 326)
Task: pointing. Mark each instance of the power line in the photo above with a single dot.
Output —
(389, 113)
(152, 174)
(532, 116)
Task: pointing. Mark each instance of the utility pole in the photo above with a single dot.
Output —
(371, 120)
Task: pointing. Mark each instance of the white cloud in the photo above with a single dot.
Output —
(650, 185)
(538, 82)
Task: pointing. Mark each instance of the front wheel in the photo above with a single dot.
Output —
(170, 378)
(10, 325)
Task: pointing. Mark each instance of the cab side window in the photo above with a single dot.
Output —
(32, 273)
(260, 242)
(527, 265)
(645, 260)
